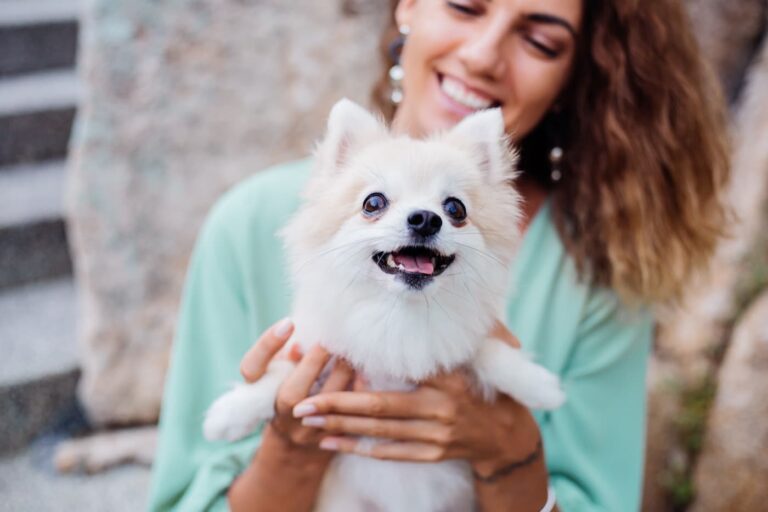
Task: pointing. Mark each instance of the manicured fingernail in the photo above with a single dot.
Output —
(282, 327)
(329, 444)
(313, 421)
(302, 410)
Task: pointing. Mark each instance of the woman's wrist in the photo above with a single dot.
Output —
(515, 479)
(282, 476)
(521, 447)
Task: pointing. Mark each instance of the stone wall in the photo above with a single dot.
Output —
(694, 340)
(183, 99)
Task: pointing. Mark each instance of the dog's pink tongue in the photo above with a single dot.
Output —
(420, 264)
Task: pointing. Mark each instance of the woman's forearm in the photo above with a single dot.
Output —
(516, 481)
(282, 477)
(522, 490)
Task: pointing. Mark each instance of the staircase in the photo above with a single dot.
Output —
(38, 95)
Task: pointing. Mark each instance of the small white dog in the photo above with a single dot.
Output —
(400, 260)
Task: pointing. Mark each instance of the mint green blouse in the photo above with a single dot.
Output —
(237, 286)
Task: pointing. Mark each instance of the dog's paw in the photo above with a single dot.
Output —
(509, 370)
(541, 389)
(237, 413)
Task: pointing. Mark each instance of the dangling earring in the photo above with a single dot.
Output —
(555, 160)
(396, 72)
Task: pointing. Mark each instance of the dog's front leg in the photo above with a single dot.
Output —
(503, 368)
(238, 412)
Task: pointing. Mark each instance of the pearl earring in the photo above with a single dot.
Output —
(555, 159)
(396, 72)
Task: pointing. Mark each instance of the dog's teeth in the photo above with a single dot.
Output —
(390, 260)
(400, 266)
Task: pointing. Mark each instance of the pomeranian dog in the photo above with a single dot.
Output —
(400, 257)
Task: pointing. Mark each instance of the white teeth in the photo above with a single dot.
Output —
(390, 260)
(457, 92)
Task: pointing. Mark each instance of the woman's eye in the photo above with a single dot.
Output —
(374, 203)
(541, 47)
(463, 9)
(455, 209)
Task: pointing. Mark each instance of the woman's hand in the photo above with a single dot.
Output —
(288, 467)
(442, 419)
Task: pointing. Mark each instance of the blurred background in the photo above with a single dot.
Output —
(122, 121)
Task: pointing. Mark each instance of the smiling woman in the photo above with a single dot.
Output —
(466, 55)
(623, 162)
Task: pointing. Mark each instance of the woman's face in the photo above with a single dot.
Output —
(465, 55)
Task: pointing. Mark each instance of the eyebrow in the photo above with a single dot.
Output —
(552, 20)
(549, 19)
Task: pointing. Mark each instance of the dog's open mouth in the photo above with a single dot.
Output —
(415, 263)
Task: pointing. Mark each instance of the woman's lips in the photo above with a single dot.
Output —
(458, 98)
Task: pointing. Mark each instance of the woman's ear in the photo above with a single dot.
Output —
(404, 12)
(350, 126)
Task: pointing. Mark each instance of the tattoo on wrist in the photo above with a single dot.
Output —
(509, 468)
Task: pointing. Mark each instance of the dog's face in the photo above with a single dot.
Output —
(390, 221)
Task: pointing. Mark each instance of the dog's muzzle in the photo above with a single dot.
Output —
(415, 265)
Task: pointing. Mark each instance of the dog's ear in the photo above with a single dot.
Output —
(483, 133)
(350, 126)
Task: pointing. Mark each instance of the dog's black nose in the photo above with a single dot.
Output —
(424, 222)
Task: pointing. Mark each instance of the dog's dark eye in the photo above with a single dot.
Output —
(374, 203)
(455, 209)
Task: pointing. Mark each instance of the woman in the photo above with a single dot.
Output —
(623, 162)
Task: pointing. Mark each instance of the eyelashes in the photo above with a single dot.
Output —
(471, 11)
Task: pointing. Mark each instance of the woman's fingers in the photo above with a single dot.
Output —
(499, 331)
(410, 451)
(424, 403)
(254, 363)
(401, 430)
(340, 377)
(297, 385)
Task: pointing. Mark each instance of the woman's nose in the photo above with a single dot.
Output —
(482, 52)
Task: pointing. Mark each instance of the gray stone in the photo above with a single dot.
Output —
(728, 34)
(39, 367)
(33, 243)
(184, 99)
(733, 467)
(37, 331)
(689, 336)
(36, 113)
(28, 482)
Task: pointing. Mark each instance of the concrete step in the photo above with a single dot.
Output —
(28, 482)
(36, 115)
(33, 239)
(31, 193)
(37, 35)
(39, 367)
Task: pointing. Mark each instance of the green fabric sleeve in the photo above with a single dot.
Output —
(595, 442)
(190, 473)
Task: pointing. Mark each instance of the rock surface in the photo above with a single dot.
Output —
(728, 33)
(184, 99)
(733, 467)
(688, 338)
(28, 482)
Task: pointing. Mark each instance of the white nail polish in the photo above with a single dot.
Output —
(313, 421)
(302, 410)
(329, 444)
(282, 327)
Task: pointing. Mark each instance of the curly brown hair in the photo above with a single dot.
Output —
(642, 123)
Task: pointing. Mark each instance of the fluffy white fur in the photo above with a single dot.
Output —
(395, 334)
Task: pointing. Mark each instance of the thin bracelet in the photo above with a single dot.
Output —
(550, 504)
(504, 471)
